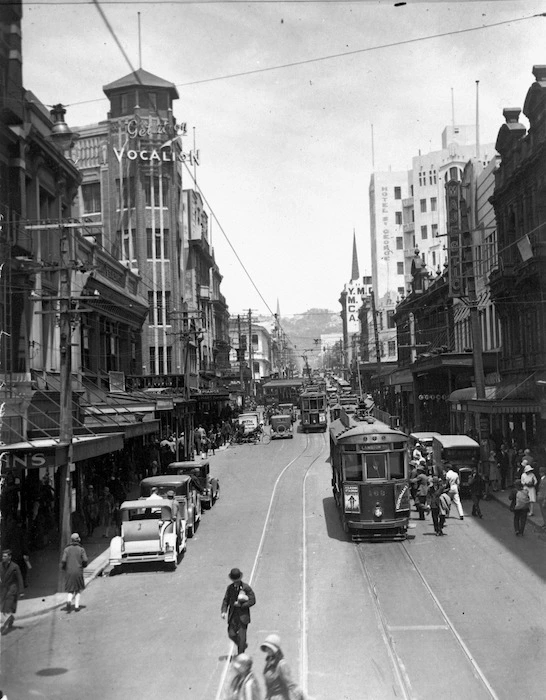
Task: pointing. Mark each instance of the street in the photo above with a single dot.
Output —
(454, 617)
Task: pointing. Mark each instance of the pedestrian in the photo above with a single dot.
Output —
(453, 481)
(243, 684)
(529, 483)
(107, 505)
(476, 485)
(435, 490)
(541, 494)
(504, 466)
(73, 562)
(91, 510)
(174, 504)
(421, 489)
(197, 442)
(11, 587)
(519, 504)
(15, 538)
(279, 684)
(494, 471)
(238, 600)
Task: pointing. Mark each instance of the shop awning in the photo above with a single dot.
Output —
(513, 395)
(41, 452)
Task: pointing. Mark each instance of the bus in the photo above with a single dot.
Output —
(313, 409)
(370, 477)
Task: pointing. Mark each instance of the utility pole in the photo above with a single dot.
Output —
(250, 354)
(65, 419)
(376, 335)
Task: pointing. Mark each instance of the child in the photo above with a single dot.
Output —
(519, 504)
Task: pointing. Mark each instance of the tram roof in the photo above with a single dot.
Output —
(355, 429)
(272, 383)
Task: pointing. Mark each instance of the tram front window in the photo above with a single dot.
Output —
(396, 462)
(376, 467)
(352, 468)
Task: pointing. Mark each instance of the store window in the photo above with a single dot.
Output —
(91, 198)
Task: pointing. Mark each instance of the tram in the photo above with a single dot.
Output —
(313, 409)
(369, 462)
(278, 391)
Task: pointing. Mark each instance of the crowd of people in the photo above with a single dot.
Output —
(435, 493)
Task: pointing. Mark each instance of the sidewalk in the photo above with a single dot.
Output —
(534, 521)
(41, 596)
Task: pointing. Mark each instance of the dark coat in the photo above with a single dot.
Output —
(73, 562)
(11, 585)
(230, 599)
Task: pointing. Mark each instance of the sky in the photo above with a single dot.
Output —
(284, 97)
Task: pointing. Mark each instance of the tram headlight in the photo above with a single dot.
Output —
(378, 511)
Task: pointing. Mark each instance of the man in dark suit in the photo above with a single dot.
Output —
(238, 600)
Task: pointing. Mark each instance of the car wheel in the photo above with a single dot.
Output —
(191, 529)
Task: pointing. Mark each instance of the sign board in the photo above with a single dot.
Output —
(351, 498)
(454, 262)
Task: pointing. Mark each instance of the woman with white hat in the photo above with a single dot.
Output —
(529, 483)
(279, 684)
(73, 563)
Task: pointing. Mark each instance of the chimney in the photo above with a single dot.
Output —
(511, 114)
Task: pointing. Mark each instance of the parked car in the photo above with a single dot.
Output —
(459, 451)
(151, 530)
(249, 421)
(185, 493)
(281, 426)
(200, 471)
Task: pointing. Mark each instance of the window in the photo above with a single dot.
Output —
(376, 466)
(391, 347)
(169, 359)
(255, 339)
(154, 243)
(151, 306)
(423, 206)
(91, 198)
(399, 268)
(125, 194)
(424, 232)
(411, 190)
(398, 218)
(433, 204)
(398, 193)
(256, 367)
(434, 230)
(401, 291)
(125, 246)
(156, 190)
(399, 243)
(433, 258)
(153, 368)
(432, 177)
(390, 320)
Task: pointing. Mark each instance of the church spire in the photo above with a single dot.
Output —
(354, 272)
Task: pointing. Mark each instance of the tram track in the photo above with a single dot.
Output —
(389, 631)
(265, 531)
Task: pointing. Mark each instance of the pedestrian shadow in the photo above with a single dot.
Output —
(332, 519)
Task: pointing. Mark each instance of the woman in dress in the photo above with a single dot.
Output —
(279, 684)
(73, 563)
(529, 483)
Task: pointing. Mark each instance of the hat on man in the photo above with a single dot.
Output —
(273, 642)
(235, 574)
(75, 537)
(170, 494)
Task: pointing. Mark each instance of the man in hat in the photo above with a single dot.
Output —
(238, 600)
(73, 563)
(11, 587)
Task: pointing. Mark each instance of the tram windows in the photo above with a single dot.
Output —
(396, 462)
(376, 467)
(352, 470)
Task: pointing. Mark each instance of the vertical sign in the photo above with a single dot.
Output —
(454, 266)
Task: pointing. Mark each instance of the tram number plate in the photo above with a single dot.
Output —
(351, 499)
(378, 493)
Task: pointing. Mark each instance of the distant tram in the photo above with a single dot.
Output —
(370, 477)
(279, 391)
(313, 407)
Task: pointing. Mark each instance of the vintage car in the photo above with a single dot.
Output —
(207, 485)
(249, 421)
(287, 409)
(281, 426)
(152, 529)
(185, 493)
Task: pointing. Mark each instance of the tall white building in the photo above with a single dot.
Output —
(408, 216)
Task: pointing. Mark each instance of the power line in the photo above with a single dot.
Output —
(293, 64)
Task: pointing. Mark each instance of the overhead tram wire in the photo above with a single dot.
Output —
(284, 65)
(128, 60)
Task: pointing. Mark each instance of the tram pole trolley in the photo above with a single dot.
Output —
(370, 479)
